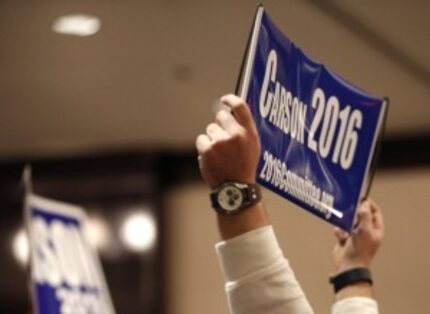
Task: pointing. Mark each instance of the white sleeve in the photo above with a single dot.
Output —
(355, 305)
(258, 278)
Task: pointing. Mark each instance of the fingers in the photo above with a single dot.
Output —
(225, 126)
(377, 222)
(227, 122)
(230, 147)
(340, 235)
(216, 133)
(369, 221)
(364, 217)
(377, 219)
(203, 143)
(240, 110)
(370, 215)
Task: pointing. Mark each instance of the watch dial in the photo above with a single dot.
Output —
(230, 198)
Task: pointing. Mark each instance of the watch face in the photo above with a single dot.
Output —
(230, 198)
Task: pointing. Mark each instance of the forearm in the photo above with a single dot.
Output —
(258, 277)
(353, 254)
(355, 305)
(362, 289)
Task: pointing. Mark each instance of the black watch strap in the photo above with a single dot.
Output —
(351, 277)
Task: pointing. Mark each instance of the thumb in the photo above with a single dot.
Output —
(240, 110)
(340, 235)
(364, 216)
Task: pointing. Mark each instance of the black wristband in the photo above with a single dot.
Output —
(351, 277)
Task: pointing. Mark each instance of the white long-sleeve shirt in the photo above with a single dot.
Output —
(260, 280)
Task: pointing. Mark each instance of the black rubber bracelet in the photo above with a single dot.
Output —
(351, 277)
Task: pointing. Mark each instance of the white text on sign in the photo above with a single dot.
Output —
(63, 261)
(333, 133)
(276, 172)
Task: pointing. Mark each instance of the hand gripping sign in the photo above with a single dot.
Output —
(318, 132)
(66, 276)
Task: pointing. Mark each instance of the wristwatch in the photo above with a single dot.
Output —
(350, 277)
(233, 197)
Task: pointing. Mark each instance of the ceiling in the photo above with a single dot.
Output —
(150, 77)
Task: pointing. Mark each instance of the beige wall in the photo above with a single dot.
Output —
(401, 269)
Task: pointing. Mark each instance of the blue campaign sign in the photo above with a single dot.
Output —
(66, 276)
(318, 132)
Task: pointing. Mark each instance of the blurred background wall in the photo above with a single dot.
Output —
(106, 98)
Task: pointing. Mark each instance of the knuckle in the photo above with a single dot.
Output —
(199, 140)
(210, 128)
(229, 97)
(221, 116)
(201, 145)
(234, 100)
